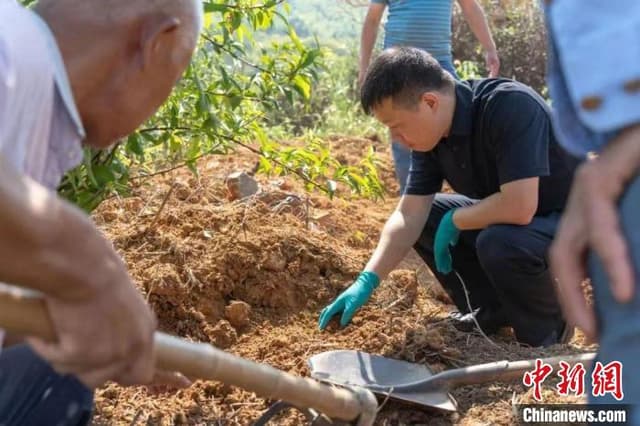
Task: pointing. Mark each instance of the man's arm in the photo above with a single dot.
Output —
(48, 245)
(516, 203)
(590, 222)
(368, 37)
(402, 230)
(518, 134)
(477, 20)
(45, 243)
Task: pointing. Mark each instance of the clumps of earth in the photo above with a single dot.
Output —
(250, 274)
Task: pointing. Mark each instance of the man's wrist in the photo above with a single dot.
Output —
(455, 216)
(620, 159)
(370, 277)
(491, 49)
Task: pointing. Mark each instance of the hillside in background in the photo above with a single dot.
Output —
(336, 24)
(517, 27)
(328, 20)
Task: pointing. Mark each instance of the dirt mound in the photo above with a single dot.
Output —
(196, 259)
(252, 275)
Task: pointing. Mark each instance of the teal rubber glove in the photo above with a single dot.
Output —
(351, 299)
(446, 235)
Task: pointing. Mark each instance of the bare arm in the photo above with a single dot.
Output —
(399, 234)
(591, 222)
(368, 37)
(477, 20)
(46, 244)
(516, 203)
(402, 230)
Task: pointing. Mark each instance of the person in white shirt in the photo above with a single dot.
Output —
(76, 72)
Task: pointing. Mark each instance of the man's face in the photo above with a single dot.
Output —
(419, 127)
(136, 87)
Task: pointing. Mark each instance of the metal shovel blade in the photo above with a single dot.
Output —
(379, 375)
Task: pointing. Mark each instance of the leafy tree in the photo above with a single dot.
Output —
(237, 76)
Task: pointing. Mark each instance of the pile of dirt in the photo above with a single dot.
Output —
(251, 276)
(197, 260)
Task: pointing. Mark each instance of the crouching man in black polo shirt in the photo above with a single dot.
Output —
(492, 141)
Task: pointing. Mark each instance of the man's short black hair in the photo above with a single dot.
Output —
(403, 74)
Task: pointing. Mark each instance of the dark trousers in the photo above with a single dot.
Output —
(32, 393)
(504, 267)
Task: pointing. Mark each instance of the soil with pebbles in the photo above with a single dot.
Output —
(251, 276)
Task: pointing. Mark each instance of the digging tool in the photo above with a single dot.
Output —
(24, 313)
(416, 383)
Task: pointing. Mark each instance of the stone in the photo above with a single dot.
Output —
(222, 335)
(274, 261)
(238, 313)
(241, 185)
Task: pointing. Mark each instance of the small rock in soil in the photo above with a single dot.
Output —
(274, 261)
(222, 334)
(241, 185)
(238, 313)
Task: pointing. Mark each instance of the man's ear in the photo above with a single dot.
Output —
(431, 100)
(156, 30)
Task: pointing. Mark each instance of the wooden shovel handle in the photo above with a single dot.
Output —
(493, 371)
(26, 314)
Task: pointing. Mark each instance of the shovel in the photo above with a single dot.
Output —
(25, 313)
(416, 383)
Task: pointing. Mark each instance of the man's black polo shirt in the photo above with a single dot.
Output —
(501, 132)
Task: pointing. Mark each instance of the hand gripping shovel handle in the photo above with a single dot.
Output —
(26, 314)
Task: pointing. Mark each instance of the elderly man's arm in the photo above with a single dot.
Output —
(477, 20)
(48, 245)
(591, 222)
(44, 241)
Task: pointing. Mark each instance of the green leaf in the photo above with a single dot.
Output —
(175, 144)
(236, 20)
(88, 166)
(235, 101)
(134, 144)
(215, 7)
(302, 85)
(289, 95)
(194, 148)
(264, 165)
(296, 40)
(192, 166)
(103, 174)
(309, 58)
